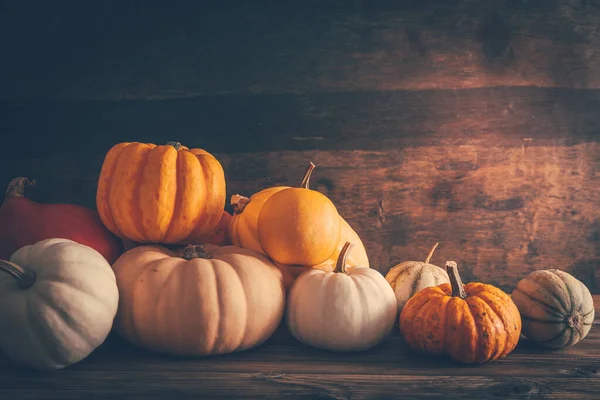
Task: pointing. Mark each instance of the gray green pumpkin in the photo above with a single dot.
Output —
(557, 310)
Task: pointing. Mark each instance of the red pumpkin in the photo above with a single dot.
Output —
(24, 222)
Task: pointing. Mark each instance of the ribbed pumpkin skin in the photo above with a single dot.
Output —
(66, 313)
(409, 277)
(556, 308)
(349, 309)
(160, 194)
(231, 302)
(480, 328)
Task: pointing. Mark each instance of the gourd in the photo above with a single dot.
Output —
(409, 277)
(24, 222)
(243, 231)
(160, 194)
(218, 235)
(201, 301)
(58, 300)
(349, 309)
(556, 308)
(474, 323)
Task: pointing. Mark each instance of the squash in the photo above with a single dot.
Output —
(24, 222)
(58, 300)
(160, 194)
(556, 308)
(408, 277)
(243, 231)
(219, 235)
(203, 301)
(474, 323)
(349, 309)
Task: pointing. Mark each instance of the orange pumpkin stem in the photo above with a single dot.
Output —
(177, 145)
(457, 286)
(431, 253)
(16, 187)
(340, 266)
(239, 203)
(307, 174)
(192, 251)
(25, 278)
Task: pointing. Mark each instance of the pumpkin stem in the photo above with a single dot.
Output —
(457, 286)
(575, 322)
(177, 145)
(16, 187)
(307, 174)
(192, 251)
(239, 203)
(25, 278)
(431, 253)
(340, 266)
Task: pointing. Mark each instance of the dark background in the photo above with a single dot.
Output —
(472, 123)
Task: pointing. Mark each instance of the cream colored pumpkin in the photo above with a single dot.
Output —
(557, 309)
(207, 300)
(58, 300)
(409, 277)
(345, 310)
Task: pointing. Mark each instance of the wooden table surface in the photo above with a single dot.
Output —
(284, 368)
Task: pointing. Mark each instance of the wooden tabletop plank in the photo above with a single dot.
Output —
(282, 367)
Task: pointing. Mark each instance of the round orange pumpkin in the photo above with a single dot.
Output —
(243, 231)
(205, 300)
(474, 323)
(160, 194)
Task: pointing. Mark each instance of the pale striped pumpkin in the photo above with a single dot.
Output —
(556, 308)
(409, 277)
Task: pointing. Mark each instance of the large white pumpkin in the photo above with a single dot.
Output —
(343, 310)
(409, 277)
(58, 300)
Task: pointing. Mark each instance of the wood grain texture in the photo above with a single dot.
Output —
(284, 368)
(499, 211)
(114, 50)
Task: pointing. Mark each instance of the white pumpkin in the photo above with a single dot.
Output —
(409, 277)
(58, 300)
(343, 310)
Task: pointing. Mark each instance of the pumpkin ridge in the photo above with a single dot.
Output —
(483, 345)
(103, 192)
(124, 218)
(135, 216)
(48, 351)
(570, 310)
(415, 282)
(133, 328)
(160, 295)
(500, 350)
(418, 321)
(241, 344)
(219, 310)
(178, 197)
(562, 332)
(555, 310)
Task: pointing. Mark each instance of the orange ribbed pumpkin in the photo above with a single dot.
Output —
(160, 194)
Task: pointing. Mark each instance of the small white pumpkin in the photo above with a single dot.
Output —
(556, 308)
(409, 277)
(58, 299)
(343, 310)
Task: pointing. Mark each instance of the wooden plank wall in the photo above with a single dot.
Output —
(472, 123)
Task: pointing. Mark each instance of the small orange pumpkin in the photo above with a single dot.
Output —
(243, 231)
(474, 323)
(160, 194)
